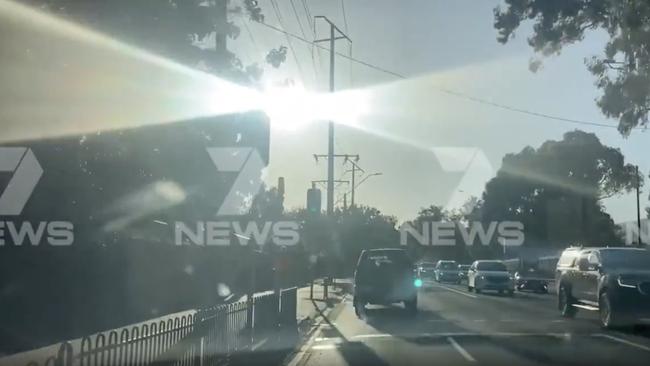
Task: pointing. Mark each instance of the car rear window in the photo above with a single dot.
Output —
(387, 258)
(621, 258)
(448, 265)
(491, 266)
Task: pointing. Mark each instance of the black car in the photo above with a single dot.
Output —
(613, 281)
(531, 280)
(427, 270)
(385, 276)
(462, 272)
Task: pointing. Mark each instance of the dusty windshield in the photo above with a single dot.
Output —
(202, 182)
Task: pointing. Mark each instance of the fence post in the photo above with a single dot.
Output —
(64, 356)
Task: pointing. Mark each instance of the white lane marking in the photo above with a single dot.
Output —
(510, 320)
(303, 352)
(461, 350)
(322, 347)
(329, 339)
(459, 334)
(457, 291)
(258, 344)
(377, 335)
(480, 320)
(623, 341)
(439, 320)
(557, 321)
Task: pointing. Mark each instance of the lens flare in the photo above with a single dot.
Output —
(60, 79)
(292, 108)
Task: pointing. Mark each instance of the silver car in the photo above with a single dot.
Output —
(490, 275)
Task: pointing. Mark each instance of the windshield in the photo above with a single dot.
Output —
(211, 182)
(491, 266)
(623, 259)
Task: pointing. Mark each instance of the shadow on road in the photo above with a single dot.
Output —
(354, 353)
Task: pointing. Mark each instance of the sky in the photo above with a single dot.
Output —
(407, 123)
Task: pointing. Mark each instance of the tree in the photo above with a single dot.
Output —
(461, 218)
(362, 227)
(342, 237)
(621, 72)
(175, 29)
(556, 190)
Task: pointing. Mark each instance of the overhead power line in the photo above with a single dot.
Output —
(295, 12)
(278, 15)
(345, 17)
(453, 92)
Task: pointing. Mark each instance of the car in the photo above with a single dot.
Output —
(615, 282)
(531, 280)
(490, 275)
(462, 272)
(446, 271)
(426, 270)
(385, 276)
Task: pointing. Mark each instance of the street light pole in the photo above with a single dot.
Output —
(638, 206)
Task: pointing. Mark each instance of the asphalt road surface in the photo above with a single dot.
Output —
(456, 327)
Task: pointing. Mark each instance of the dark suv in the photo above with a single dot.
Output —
(613, 281)
(385, 276)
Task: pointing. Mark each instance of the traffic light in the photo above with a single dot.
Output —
(313, 200)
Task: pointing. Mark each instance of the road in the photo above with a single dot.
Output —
(455, 327)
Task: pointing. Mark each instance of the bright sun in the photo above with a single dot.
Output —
(292, 108)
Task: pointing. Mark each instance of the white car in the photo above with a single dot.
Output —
(490, 275)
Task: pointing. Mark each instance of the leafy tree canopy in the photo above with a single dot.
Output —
(555, 190)
(177, 29)
(622, 71)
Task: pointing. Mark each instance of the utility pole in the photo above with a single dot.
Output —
(330, 129)
(345, 200)
(221, 32)
(638, 205)
(330, 163)
(354, 169)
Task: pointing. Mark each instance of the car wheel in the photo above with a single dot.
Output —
(511, 293)
(359, 307)
(411, 306)
(477, 290)
(469, 288)
(609, 317)
(500, 292)
(565, 303)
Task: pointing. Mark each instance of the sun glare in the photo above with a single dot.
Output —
(293, 108)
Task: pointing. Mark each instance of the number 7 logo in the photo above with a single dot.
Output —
(27, 172)
(249, 164)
